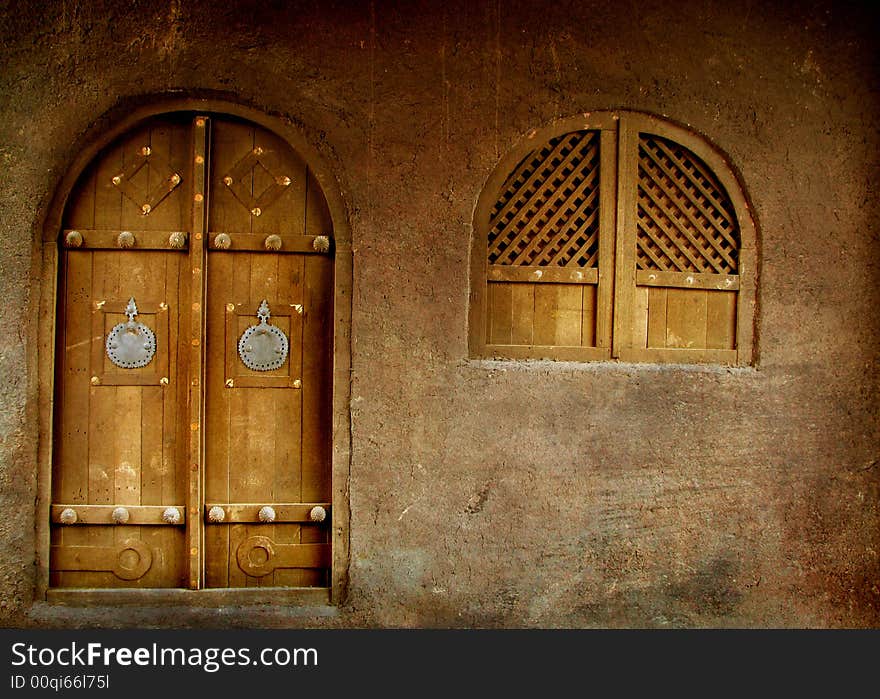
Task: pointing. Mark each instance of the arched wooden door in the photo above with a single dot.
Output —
(193, 364)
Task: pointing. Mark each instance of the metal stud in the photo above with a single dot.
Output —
(177, 240)
(74, 239)
(68, 516)
(258, 151)
(297, 383)
(284, 181)
(317, 514)
(95, 381)
(145, 209)
(216, 514)
(171, 515)
(175, 178)
(256, 211)
(230, 383)
(146, 150)
(117, 180)
(126, 239)
(163, 381)
(222, 241)
(273, 242)
(120, 515)
(227, 181)
(266, 514)
(321, 243)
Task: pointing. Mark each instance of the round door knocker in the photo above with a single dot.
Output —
(263, 347)
(131, 345)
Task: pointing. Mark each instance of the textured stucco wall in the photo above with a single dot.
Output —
(507, 493)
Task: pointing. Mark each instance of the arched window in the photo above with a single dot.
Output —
(196, 324)
(613, 235)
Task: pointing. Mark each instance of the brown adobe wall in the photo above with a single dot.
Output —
(511, 494)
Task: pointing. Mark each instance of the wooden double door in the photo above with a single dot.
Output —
(192, 437)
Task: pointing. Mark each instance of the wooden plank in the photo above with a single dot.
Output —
(499, 313)
(318, 219)
(256, 242)
(143, 239)
(640, 317)
(625, 251)
(224, 286)
(288, 457)
(102, 514)
(534, 275)
(546, 304)
(248, 513)
(196, 334)
(656, 317)
(286, 211)
(522, 300)
(686, 318)
(230, 142)
(589, 315)
(687, 280)
(570, 315)
(607, 234)
(721, 320)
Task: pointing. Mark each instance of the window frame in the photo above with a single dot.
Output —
(619, 136)
(45, 306)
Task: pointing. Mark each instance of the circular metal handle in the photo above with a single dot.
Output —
(68, 516)
(171, 515)
(120, 515)
(266, 514)
(317, 514)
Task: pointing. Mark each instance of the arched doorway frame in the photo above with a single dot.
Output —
(119, 122)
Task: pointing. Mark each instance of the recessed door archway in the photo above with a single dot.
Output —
(203, 456)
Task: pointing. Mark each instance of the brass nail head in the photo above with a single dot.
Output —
(163, 381)
(230, 307)
(117, 180)
(175, 178)
(200, 159)
(230, 383)
(227, 181)
(256, 211)
(95, 381)
(146, 150)
(146, 208)
(199, 197)
(297, 383)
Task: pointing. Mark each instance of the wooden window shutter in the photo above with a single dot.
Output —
(627, 218)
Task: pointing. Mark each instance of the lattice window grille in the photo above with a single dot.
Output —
(547, 213)
(685, 218)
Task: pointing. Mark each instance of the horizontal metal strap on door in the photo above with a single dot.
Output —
(250, 242)
(84, 238)
(688, 280)
(128, 560)
(554, 275)
(72, 515)
(249, 513)
(259, 555)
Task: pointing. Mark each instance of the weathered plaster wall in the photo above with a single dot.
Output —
(505, 494)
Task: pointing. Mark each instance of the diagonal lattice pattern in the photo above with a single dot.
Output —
(686, 221)
(548, 211)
